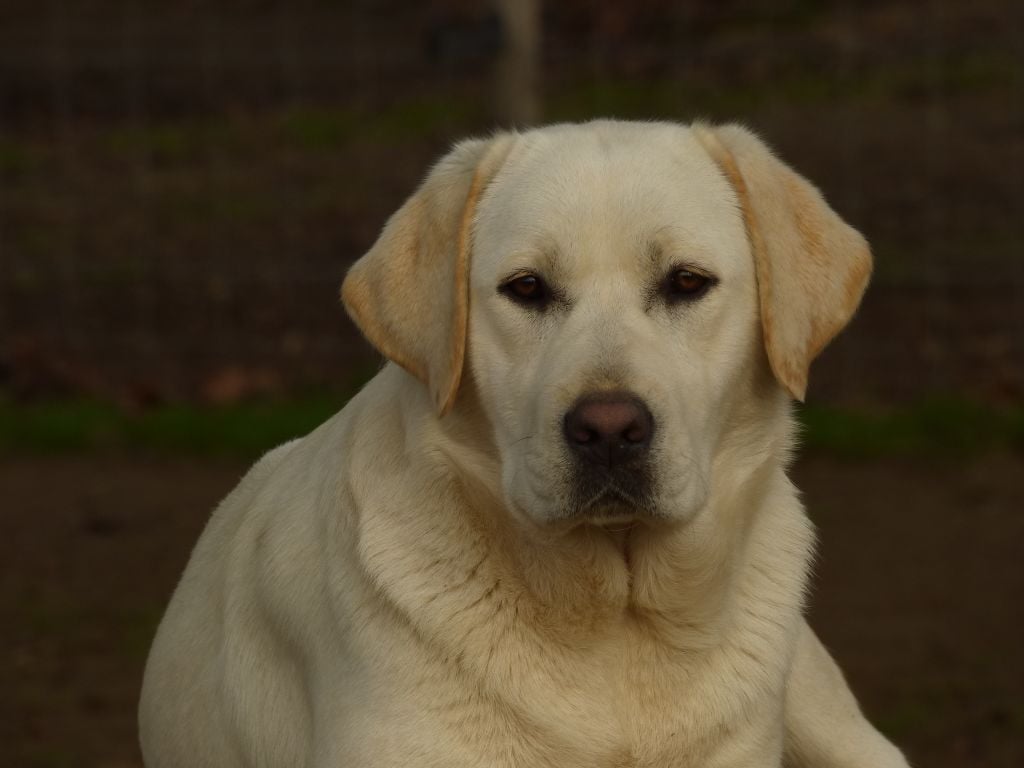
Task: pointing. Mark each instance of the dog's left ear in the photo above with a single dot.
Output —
(409, 294)
(812, 267)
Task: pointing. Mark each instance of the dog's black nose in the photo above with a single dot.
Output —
(609, 428)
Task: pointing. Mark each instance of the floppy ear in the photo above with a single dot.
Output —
(812, 267)
(409, 294)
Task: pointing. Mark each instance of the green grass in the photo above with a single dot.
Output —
(177, 142)
(935, 430)
(318, 128)
(244, 430)
(16, 159)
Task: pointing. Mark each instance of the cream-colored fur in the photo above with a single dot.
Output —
(408, 585)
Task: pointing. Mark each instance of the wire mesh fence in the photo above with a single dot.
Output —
(183, 185)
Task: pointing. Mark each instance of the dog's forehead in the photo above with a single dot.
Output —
(608, 186)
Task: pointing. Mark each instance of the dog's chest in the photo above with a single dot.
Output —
(641, 704)
(623, 705)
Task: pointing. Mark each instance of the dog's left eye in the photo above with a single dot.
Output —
(526, 289)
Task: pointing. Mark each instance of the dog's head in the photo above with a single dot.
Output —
(627, 298)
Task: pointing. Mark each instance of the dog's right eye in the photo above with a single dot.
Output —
(527, 289)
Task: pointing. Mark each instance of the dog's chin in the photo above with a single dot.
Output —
(612, 513)
(564, 517)
(613, 518)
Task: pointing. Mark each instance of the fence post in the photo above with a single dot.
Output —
(517, 70)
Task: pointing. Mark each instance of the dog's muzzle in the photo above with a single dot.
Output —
(609, 435)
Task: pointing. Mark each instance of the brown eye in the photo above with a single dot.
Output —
(686, 284)
(526, 289)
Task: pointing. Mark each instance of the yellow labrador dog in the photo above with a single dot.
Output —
(557, 530)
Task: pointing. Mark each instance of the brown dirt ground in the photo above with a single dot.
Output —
(918, 594)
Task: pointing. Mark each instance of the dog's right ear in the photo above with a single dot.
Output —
(409, 294)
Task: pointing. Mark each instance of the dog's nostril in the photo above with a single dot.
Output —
(607, 427)
(579, 433)
(635, 433)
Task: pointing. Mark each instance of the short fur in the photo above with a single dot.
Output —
(411, 584)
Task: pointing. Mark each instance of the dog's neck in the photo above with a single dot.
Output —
(683, 580)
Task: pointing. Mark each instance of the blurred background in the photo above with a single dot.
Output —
(183, 184)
